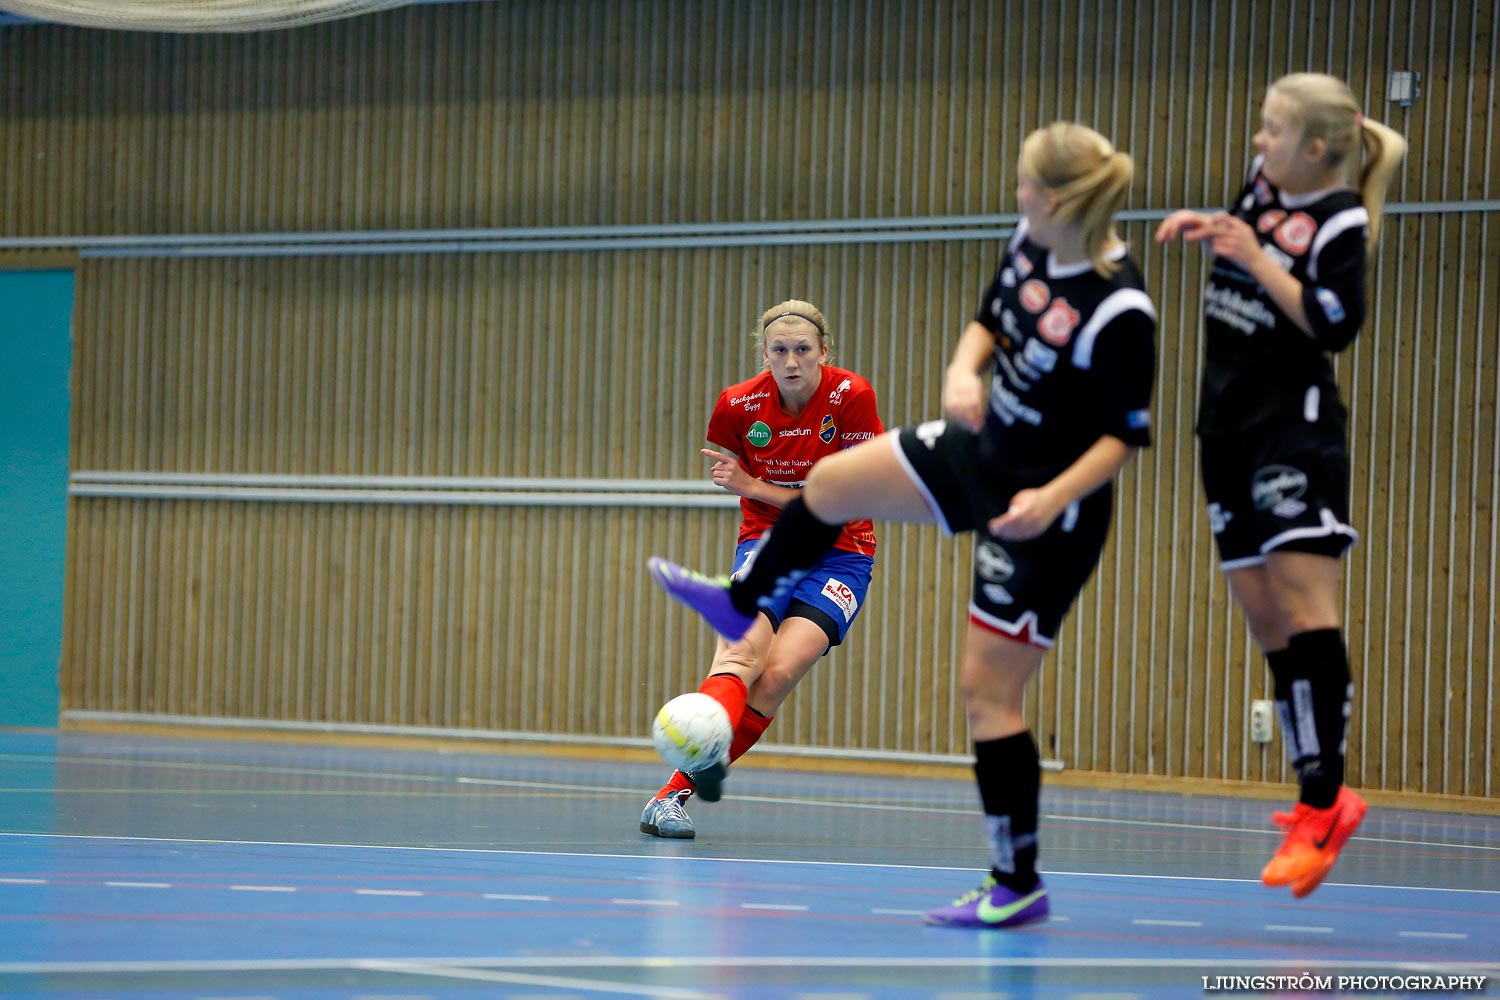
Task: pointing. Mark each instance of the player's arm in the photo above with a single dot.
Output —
(963, 384)
(861, 419)
(1033, 511)
(728, 473)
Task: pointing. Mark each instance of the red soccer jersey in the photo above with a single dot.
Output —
(778, 448)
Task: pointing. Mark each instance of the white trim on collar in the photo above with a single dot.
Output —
(1303, 200)
(1055, 270)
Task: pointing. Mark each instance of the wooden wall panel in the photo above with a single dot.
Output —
(572, 362)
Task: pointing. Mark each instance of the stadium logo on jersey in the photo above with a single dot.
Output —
(1296, 234)
(1059, 323)
(826, 430)
(1023, 265)
(1035, 295)
(1278, 488)
(837, 396)
(737, 400)
(1333, 307)
(993, 563)
(758, 434)
(1270, 220)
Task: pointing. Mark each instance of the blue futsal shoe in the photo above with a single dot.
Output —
(666, 817)
(707, 595)
(993, 905)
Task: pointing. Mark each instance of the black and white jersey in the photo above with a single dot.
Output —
(1075, 358)
(1260, 367)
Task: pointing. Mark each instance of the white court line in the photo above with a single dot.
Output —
(23, 881)
(517, 897)
(682, 858)
(446, 970)
(1147, 922)
(1445, 935)
(1298, 929)
(140, 885)
(792, 907)
(761, 799)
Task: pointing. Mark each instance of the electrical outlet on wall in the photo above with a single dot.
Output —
(1261, 721)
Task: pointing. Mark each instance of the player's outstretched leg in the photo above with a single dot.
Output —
(1314, 838)
(707, 595)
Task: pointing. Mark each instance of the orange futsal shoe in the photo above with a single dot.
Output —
(1314, 838)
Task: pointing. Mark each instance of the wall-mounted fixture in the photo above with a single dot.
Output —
(1403, 87)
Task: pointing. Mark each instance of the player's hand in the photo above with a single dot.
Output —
(1031, 513)
(963, 399)
(1185, 222)
(727, 472)
(1232, 238)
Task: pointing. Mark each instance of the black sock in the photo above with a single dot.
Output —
(1313, 691)
(1009, 773)
(796, 542)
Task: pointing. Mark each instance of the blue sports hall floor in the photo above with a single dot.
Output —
(166, 867)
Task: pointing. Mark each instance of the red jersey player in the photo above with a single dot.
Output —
(765, 434)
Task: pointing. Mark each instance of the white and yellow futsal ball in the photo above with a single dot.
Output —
(692, 732)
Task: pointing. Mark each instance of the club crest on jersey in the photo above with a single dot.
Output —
(1270, 220)
(1035, 295)
(1262, 191)
(826, 430)
(1296, 234)
(1023, 265)
(1059, 323)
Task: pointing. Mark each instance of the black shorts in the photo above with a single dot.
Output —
(1283, 488)
(1021, 589)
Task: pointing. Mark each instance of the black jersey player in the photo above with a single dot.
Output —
(1287, 287)
(1069, 334)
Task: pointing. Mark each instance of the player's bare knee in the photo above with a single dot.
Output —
(775, 684)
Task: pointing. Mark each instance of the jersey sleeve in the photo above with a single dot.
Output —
(987, 315)
(1335, 301)
(861, 420)
(721, 427)
(1124, 367)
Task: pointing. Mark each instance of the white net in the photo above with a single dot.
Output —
(192, 15)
